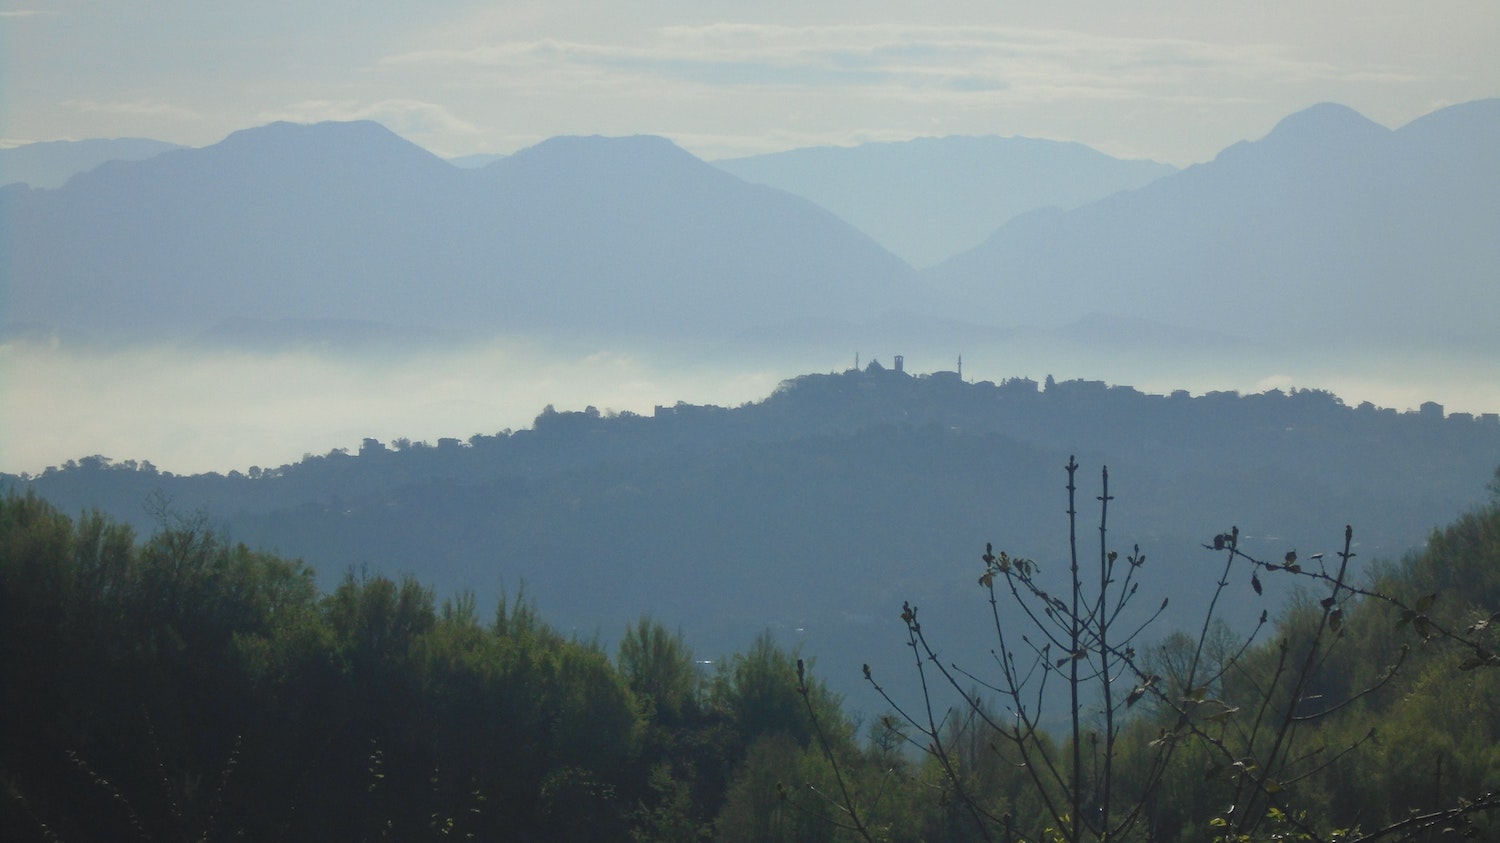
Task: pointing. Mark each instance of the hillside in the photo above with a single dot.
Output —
(819, 509)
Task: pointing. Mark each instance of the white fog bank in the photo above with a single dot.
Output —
(196, 410)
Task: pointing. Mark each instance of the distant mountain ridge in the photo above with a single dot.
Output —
(1331, 228)
(931, 198)
(349, 221)
(50, 164)
(1331, 231)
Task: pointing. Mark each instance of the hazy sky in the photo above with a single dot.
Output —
(1175, 81)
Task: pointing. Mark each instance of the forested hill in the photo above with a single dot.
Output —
(820, 509)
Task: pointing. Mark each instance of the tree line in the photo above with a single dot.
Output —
(183, 686)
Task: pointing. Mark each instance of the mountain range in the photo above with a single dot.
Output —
(350, 222)
(1329, 231)
(50, 164)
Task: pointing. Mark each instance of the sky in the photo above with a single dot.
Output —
(1169, 80)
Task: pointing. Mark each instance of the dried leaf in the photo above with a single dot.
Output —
(1423, 626)
(1223, 716)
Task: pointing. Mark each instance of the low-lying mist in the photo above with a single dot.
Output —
(193, 408)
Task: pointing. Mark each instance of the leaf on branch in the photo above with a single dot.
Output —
(1326, 602)
(1425, 603)
(1336, 620)
(1255, 582)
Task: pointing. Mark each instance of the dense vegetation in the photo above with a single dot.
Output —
(185, 686)
(816, 510)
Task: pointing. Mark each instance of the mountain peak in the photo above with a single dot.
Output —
(600, 150)
(352, 140)
(1478, 121)
(1311, 134)
(583, 163)
(1325, 124)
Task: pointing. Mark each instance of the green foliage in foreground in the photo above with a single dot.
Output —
(185, 687)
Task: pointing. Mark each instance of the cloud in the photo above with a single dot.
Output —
(886, 60)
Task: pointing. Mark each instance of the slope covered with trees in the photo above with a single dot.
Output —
(819, 509)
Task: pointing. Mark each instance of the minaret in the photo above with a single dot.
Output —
(960, 367)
